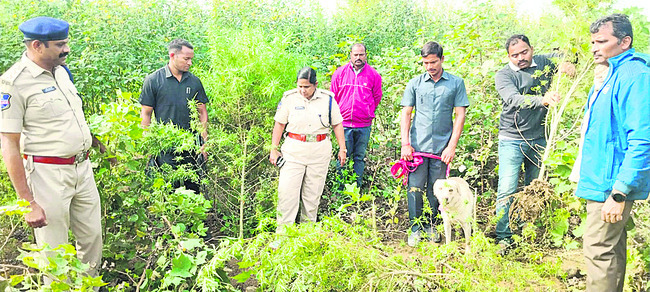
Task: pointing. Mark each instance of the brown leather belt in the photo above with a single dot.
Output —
(81, 157)
(308, 138)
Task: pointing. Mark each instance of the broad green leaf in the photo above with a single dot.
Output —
(60, 286)
(571, 245)
(58, 265)
(563, 170)
(94, 281)
(178, 228)
(133, 165)
(560, 226)
(67, 248)
(245, 265)
(200, 257)
(181, 266)
(574, 205)
(133, 218)
(31, 247)
(191, 243)
(563, 188)
(243, 277)
(172, 280)
(16, 279)
(162, 261)
(30, 261)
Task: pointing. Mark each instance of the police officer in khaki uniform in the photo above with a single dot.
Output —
(45, 142)
(306, 113)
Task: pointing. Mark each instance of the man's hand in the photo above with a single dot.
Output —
(407, 152)
(612, 211)
(568, 68)
(551, 98)
(36, 218)
(102, 150)
(273, 156)
(14, 163)
(343, 155)
(112, 160)
(204, 153)
(448, 154)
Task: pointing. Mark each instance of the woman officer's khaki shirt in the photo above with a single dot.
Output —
(307, 117)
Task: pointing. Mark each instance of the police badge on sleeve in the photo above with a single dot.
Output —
(4, 100)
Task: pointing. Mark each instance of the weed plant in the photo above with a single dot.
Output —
(335, 255)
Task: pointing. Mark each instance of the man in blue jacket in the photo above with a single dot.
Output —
(614, 160)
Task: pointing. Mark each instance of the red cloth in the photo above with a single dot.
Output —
(403, 167)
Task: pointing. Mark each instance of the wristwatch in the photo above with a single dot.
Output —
(618, 197)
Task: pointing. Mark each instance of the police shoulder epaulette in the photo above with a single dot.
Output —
(10, 76)
(290, 92)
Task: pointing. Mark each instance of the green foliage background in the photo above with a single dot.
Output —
(247, 53)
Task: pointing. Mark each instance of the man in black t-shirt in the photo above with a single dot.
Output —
(166, 93)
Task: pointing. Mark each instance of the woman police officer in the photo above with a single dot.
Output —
(306, 113)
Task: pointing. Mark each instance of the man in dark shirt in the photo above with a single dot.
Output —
(166, 93)
(523, 85)
(439, 101)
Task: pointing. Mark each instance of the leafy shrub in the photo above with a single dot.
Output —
(334, 255)
(164, 225)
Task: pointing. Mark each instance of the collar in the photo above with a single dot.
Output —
(317, 94)
(32, 67)
(355, 70)
(516, 68)
(168, 72)
(444, 75)
(620, 58)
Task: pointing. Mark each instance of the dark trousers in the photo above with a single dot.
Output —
(195, 161)
(356, 141)
(424, 177)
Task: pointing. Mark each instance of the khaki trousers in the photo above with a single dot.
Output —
(605, 249)
(300, 185)
(69, 196)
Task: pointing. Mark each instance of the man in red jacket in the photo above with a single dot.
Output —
(357, 90)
